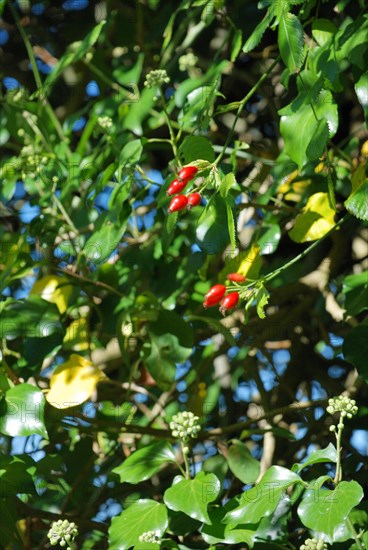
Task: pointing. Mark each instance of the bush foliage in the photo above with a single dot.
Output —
(130, 415)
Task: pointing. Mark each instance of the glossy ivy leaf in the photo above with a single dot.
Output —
(355, 349)
(361, 90)
(34, 317)
(16, 475)
(241, 462)
(22, 411)
(261, 500)
(192, 496)
(357, 202)
(315, 221)
(262, 301)
(212, 233)
(305, 144)
(73, 382)
(145, 462)
(171, 342)
(329, 454)
(290, 39)
(218, 532)
(142, 516)
(324, 510)
(76, 51)
(256, 36)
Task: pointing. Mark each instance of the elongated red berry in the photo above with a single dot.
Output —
(187, 173)
(214, 295)
(194, 199)
(177, 203)
(229, 302)
(176, 187)
(236, 277)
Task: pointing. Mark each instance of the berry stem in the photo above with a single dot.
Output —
(186, 461)
(340, 427)
(169, 125)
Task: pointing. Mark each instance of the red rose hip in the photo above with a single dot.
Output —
(214, 295)
(236, 277)
(177, 203)
(229, 302)
(194, 199)
(187, 173)
(176, 187)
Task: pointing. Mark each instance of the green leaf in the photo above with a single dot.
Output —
(262, 301)
(357, 201)
(290, 39)
(355, 289)
(324, 510)
(323, 31)
(231, 228)
(106, 236)
(226, 184)
(142, 516)
(130, 153)
(218, 532)
(192, 496)
(22, 411)
(212, 234)
(194, 148)
(261, 500)
(329, 454)
(145, 462)
(171, 342)
(16, 475)
(258, 32)
(269, 238)
(355, 349)
(31, 318)
(241, 462)
(361, 90)
(301, 127)
(75, 52)
(236, 45)
(2, 6)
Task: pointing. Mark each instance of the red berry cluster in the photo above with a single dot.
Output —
(216, 294)
(182, 201)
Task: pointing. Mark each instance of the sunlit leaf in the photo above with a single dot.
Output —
(73, 382)
(54, 289)
(22, 411)
(315, 221)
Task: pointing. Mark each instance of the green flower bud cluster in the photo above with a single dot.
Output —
(156, 78)
(187, 61)
(150, 536)
(104, 122)
(62, 532)
(342, 404)
(185, 425)
(313, 544)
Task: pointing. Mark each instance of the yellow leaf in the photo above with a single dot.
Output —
(55, 289)
(315, 221)
(73, 382)
(247, 263)
(76, 336)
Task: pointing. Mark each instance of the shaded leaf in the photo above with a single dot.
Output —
(241, 462)
(145, 462)
(256, 36)
(355, 349)
(291, 41)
